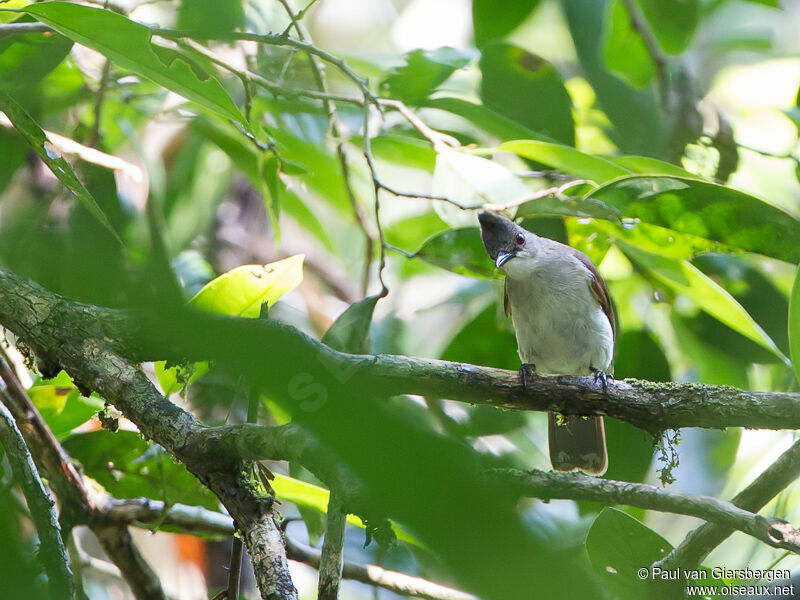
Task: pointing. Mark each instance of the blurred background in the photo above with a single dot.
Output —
(716, 98)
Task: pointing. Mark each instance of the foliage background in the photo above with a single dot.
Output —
(703, 90)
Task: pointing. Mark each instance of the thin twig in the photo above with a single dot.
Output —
(94, 136)
(42, 508)
(281, 40)
(7, 29)
(235, 571)
(121, 549)
(399, 583)
(334, 124)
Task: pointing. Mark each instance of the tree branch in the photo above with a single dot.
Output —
(95, 366)
(119, 546)
(700, 542)
(32, 312)
(574, 486)
(331, 559)
(41, 505)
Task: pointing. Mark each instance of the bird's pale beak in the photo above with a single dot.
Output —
(503, 258)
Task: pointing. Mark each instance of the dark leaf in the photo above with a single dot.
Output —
(527, 89)
(491, 22)
(706, 210)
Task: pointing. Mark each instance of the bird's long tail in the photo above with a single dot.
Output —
(577, 443)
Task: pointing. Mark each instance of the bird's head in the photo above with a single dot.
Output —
(504, 240)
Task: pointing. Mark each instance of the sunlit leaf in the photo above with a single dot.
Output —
(684, 278)
(37, 139)
(61, 404)
(527, 89)
(316, 498)
(241, 291)
(706, 210)
(174, 378)
(127, 43)
(472, 181)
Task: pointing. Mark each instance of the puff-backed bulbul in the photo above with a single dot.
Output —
(563, 319)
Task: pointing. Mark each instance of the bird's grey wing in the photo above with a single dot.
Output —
(599, 289)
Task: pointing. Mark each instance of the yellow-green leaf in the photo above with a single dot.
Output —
(684, 278)
(241, 291)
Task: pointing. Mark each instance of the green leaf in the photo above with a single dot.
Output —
(26, 59)
(61, 405)
(635, 114)
(625, 52)
(9, 16)
(127, 44)
(175, 378)
(644, 165)
(209, 17)
(458, 250)
(684, 278)
(794, 325)
(350, 331)
(37, 139)
(127, 466)
(618, 546)
(527, 89)
(492, 122)
(673, 22)
(706, 210)
(423, 72)
(241, 291)
(566, 159)
(660, 240)
(490, 22)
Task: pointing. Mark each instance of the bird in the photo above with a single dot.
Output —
(564, 323)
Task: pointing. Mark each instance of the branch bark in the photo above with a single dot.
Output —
(86, 353)
(42, 508)
(31, 311)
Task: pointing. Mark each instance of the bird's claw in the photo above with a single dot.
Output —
(527, 372)
(603, 378)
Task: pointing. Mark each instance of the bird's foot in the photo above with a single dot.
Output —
(527, 373)
(602, 377)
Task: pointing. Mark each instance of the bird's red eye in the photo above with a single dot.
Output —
(520, 239)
